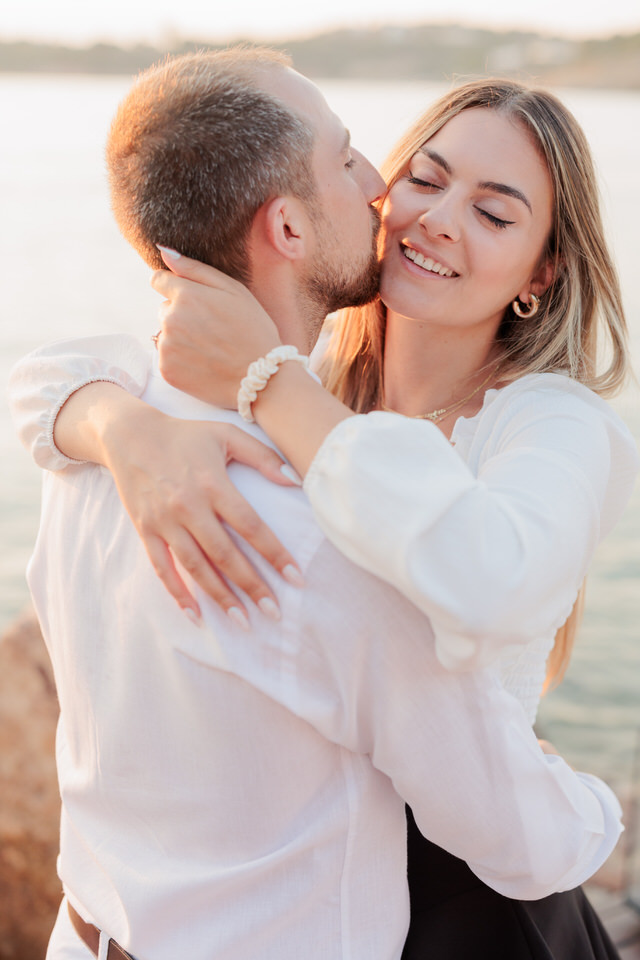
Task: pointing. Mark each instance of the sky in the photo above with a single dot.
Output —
(77, 22)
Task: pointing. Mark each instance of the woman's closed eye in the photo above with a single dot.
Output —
(422, 183)
(496, 221)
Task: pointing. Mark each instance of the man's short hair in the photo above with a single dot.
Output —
(194, 151)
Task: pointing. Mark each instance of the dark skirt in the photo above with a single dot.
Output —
(454, 916)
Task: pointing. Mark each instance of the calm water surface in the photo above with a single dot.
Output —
(66, 272)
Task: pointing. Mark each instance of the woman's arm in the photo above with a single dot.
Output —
(493, 555)
(69, 405)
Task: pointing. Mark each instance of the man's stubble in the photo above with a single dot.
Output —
(335, 281)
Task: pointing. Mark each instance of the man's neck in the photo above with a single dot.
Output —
(298, 321)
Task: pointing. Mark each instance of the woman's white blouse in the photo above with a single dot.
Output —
(490, 535)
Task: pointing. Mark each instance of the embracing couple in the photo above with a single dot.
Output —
(234, 767)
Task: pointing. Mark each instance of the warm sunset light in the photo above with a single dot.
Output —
(74, 22)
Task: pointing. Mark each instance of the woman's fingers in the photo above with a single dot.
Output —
(204, 549)
(244, 448)
(191, 558)
(182, 266)
(168, 284)
(165, 568)
(222, 557)
(211, 554)
(211, 558)
(234, 510)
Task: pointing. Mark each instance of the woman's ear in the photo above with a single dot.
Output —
(287, 227)
(541, 279)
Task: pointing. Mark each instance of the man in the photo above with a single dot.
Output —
(240, 794)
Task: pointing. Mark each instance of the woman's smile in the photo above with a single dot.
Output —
(426, 263)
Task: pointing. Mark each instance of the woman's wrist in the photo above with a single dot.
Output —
(260, 372)
(91, 421)
(297, 413)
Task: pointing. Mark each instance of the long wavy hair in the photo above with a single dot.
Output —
(580, 327)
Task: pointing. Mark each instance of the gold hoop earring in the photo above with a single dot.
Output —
(534, 305)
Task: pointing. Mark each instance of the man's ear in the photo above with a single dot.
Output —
(287, 227)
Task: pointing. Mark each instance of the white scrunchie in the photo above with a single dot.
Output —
(260, 372)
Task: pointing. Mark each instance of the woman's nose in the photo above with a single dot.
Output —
(441, 219)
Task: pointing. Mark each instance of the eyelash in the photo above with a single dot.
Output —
(350, 163)
(422, 183)
(496, 221)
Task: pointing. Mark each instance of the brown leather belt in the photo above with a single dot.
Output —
(90, 935)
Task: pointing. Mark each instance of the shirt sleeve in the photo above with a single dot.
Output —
(42, 382)
(495, 556)
(457, 747)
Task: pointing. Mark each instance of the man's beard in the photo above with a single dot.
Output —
(332, 285)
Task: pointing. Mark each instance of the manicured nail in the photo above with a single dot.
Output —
(290, 474)
(292, 575)
(239, 617)
(195, 618)
(172, 254)
(269, 608)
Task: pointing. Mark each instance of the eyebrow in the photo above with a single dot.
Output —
(346, 143)
(506, 190)
(491, 185)
(436, 158)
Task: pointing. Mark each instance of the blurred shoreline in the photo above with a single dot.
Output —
(432, 52)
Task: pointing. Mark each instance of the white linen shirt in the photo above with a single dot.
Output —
(233, 795)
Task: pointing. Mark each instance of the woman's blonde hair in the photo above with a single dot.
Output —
(582, 305)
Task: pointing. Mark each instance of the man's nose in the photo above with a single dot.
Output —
(371, 183)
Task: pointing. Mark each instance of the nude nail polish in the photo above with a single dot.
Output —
(191, 615)
(172, 254)
(290, 474)
(292, 575)
(269, 608)
(239, 617)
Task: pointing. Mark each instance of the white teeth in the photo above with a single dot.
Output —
(427, 263)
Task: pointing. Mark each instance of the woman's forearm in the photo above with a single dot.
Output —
(297, 413)
(84, 422)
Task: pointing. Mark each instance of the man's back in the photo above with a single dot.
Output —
(198, 810)
(232, 794)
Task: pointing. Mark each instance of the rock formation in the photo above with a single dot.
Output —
(29, 802)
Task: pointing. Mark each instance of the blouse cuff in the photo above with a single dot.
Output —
(42, 382)
(43, 449)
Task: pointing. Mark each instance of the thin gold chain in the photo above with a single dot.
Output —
(435, 416)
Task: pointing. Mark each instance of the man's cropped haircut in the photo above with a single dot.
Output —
(194, 151)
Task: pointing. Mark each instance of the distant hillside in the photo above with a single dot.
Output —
(386, 53)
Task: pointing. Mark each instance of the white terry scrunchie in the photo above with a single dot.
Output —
(260, 372)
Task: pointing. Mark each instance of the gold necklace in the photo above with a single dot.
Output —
(435, 416)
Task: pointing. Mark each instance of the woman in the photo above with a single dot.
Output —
(495, 279)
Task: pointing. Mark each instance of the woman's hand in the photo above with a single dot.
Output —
(172, 478)
(212, 329)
